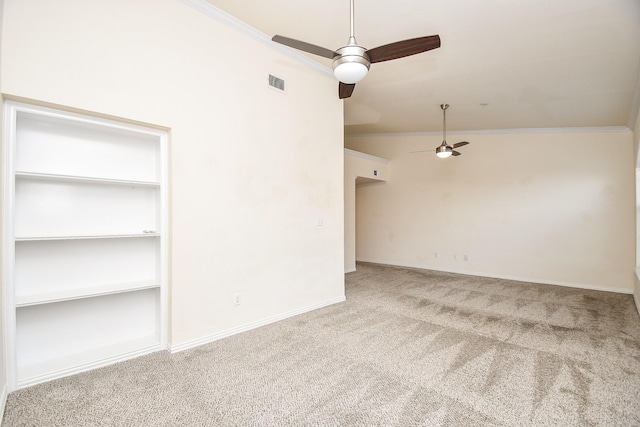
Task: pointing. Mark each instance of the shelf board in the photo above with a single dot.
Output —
(85, 237)
(71, 294)
(85, 179)
(90, 359)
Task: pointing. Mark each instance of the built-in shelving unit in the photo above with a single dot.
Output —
(84, 241)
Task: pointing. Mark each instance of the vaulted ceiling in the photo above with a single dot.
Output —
(503, 64)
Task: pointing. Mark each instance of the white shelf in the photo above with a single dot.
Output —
(71, 294)
(86, 237)
(84, 247)
(62, 335)
(64, 208)
(71, 266)
(60, 145)
(92, 180)
(90, 359)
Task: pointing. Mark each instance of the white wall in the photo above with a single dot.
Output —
(545, 207)
(636, 145)
(251, 168)
(359, 169)
(3, 358)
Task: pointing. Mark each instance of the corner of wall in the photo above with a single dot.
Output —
(3, 401)
(634, 124)
(3, 348)
(636, 290)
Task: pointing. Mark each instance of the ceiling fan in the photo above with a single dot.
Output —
(445, 150)
(351, 62)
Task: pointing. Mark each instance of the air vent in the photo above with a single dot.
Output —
(276, 82)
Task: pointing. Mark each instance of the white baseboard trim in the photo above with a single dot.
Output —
(88, 366)
(3, 402)
(253, 325)
(349, 270)
(514, 278)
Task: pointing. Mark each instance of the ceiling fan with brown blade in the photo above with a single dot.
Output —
(445, 150)
(351, 62)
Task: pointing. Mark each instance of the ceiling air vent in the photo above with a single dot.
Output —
(276, 82)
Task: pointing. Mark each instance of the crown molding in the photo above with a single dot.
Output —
(210, 10)
(603, 129)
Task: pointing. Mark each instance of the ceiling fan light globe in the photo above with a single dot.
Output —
(352, 64)
(350, 72)
(444, 151)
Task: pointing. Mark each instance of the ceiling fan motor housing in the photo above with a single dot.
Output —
(444, 150)
(352, 63)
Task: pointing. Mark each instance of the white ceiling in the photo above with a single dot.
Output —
(503, 64)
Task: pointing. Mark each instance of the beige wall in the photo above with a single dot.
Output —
(251, 169)
(545, 207)
(359, 169)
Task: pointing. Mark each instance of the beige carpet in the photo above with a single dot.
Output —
(409, 347)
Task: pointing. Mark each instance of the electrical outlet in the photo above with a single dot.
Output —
(237, 298)
(436, 255)
(466, 257)
(455, 257)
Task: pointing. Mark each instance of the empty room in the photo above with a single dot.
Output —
(230, 212)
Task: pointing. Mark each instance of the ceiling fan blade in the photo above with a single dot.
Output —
(403, 48)
(460, 144)
(455, 153)
(304, 46)
(345, 90)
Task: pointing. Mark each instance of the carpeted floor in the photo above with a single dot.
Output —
(409, 348)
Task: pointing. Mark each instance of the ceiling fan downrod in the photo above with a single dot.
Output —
(352, 62)
(444, 150)
(444, 123)
(352, 37)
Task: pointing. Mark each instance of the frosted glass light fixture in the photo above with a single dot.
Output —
(444, 151)
(352, 64)
(350, 72)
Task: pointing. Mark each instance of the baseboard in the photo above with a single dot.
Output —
(83, 366)
(3, 402)
(349, 270)
(253, 325)
(553, 282)
(515, 278)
